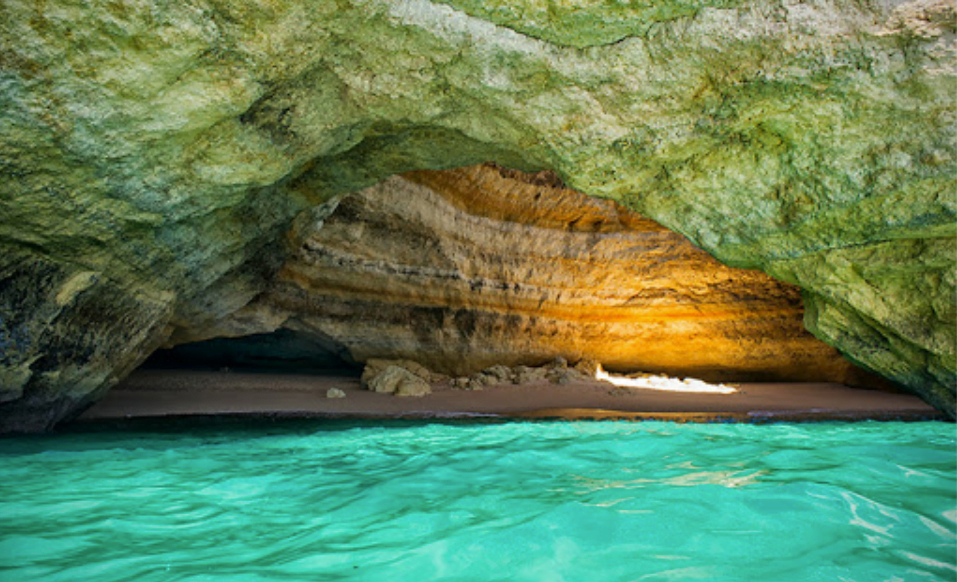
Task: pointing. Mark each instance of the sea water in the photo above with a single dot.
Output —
(517, 501)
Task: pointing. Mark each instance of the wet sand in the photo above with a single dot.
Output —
(183, 393)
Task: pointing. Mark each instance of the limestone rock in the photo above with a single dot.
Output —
(481, 381)
(526, 374)
(388, 379)
(559, 364)
(415, 388)
(555, 372)
(460, 383)
(479, 269)
(154, 154)
(587, 367)
(396, 380)
(501, 374)
(375, 366)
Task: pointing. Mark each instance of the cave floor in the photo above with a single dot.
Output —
(183, 393)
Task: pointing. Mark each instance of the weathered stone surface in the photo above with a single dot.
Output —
(502, 374)
(498, 375)
(399, 381)
(335, 393)
(465, 269)
(588, 367)
(388, 379)
(65, 334)
(415, 389)
(164, 147)
(375, 366)
(526, 374)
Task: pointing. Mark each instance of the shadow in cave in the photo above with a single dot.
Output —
(281, 352)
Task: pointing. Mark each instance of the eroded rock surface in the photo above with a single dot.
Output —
(397, 380)
(464, 269)
(154, 153)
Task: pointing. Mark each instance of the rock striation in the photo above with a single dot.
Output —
(153, 154)
(464, 269)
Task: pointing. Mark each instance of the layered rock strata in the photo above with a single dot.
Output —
(152, 154)
(463, 269)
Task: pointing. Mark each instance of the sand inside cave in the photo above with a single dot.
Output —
(177, 393)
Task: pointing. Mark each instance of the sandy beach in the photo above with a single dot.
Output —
(183, 393)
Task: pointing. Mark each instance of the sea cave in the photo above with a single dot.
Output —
(623, 254)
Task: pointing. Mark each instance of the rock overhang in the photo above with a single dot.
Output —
(166, 147)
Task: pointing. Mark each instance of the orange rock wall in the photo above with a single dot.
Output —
(465, 268)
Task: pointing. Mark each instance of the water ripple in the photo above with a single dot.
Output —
(564, 501)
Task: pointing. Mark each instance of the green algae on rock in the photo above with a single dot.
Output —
(154, 153)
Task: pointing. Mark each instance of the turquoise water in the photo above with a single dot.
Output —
(522, 501)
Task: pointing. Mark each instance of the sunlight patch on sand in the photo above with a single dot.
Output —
(664, 383)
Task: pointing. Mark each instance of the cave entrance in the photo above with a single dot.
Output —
(481, 277)
(464, 269)
(282, 351)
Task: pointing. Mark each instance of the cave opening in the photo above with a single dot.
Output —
(282, 351)
(483, 276)
(284, 195)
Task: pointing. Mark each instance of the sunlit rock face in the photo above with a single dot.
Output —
(153, 154)
(463, 269)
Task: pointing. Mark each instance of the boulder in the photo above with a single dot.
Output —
(375, 366)
(527, 374)
(414, 388)
(399, 381)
